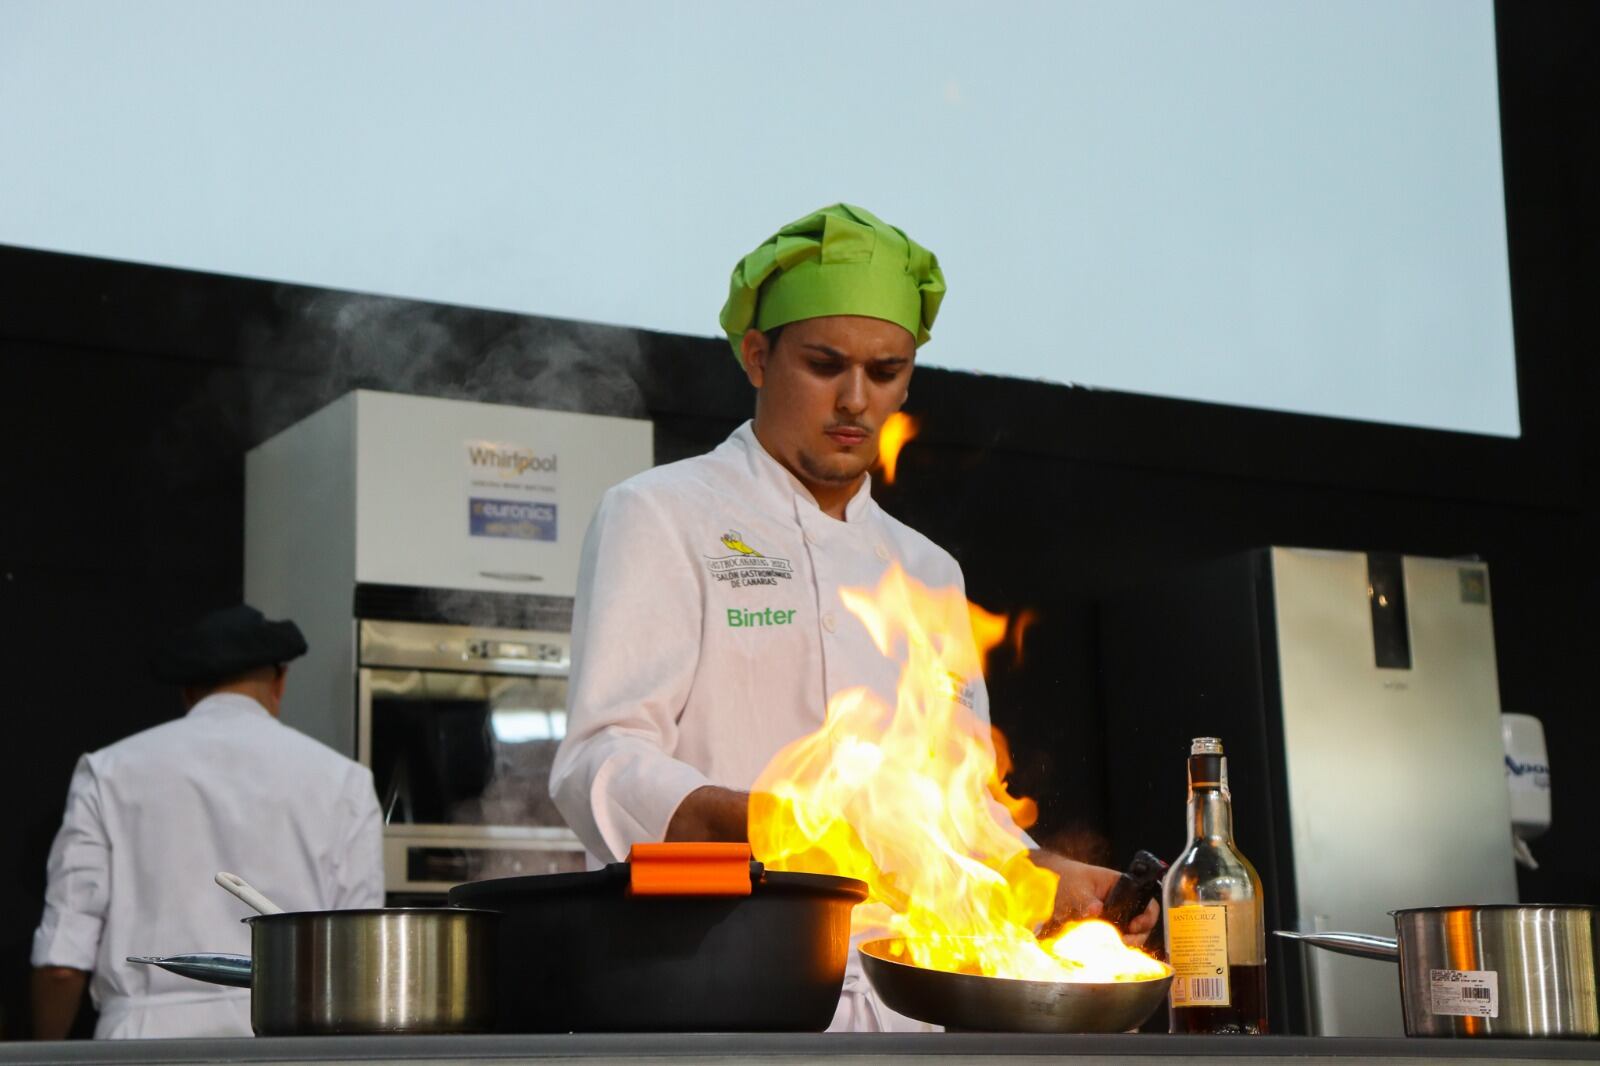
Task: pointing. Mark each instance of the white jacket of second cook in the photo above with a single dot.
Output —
(709, 633)
(150, 821)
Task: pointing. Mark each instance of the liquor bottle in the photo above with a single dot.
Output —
(1215, 931)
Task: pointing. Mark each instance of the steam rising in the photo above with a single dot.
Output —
(330, 343)
(305, 349)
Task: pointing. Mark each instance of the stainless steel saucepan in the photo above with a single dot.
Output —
(1520, 971)
(396, 970)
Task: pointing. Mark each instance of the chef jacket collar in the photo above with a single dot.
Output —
(228, 703)
(768, 471)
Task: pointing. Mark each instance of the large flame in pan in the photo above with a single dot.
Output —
(911, 800)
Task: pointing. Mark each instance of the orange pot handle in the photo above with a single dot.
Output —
(694, 869)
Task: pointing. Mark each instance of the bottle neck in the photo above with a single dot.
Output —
(1210, 815)
(1210, 809)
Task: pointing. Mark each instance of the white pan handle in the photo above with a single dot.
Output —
(241, 888)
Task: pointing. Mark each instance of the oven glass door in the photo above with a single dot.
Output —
(464, 749)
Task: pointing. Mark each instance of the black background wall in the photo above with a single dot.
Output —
(131, 394)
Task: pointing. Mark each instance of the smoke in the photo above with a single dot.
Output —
(300, 349)
(321, 345)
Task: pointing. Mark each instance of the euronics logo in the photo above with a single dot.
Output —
(517, 519)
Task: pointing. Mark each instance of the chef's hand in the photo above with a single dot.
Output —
(710, 813)
(1082, 892)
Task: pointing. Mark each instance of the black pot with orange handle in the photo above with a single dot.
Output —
(682, 937)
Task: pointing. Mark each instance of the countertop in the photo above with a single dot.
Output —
(793, 1049)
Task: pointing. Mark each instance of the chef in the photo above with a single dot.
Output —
(153, 818)
(709, 631)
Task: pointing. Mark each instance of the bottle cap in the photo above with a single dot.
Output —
(1206, 764)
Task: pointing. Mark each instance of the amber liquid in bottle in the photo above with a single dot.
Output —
(1214, 923)
(1246, 1011)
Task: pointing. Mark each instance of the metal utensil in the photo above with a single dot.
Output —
(968, 1001)
(1361, 945)
(1527, 971)
(234, 970)
(241, 888)
(400, 970)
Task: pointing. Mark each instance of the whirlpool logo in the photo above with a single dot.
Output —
(513, 462)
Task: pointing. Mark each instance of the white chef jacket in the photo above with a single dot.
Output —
(694, 660)
(150, 821)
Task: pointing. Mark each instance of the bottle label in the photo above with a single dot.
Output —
(1245, 934)
(1469, 993)
(1197, 938)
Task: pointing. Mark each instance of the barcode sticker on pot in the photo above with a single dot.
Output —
(1472, 993)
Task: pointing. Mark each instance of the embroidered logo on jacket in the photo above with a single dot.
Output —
(739, 618)
(735, 540)
(746, 566)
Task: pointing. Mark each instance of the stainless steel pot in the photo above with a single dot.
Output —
(1522, 971)
(398, 970)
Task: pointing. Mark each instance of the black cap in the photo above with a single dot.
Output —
(225, 644)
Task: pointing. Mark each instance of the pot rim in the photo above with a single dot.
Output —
(613, 877)
(1496, 907)
(367, 911)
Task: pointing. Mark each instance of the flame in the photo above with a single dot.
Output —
(897, 430)
(1019, 627)
(988, 628)
(911, 800)
(992, 631)
(1023, 811)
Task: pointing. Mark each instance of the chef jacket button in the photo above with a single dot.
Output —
(883, 553)
(828, 622)
(811, 537)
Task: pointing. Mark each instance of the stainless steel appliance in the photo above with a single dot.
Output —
(1358, 697)
(460, 725)
(429, 550)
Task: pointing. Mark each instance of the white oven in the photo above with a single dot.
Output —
(429, 550)
(459, 725)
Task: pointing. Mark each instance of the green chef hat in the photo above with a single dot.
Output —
(839, 260)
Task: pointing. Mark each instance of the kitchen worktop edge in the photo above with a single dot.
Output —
(789, 1047)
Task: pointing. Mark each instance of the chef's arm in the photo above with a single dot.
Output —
(712, 813)
(57, 995)
(1082, 888)
(1082, 892)
(67, 941)
(635, 647)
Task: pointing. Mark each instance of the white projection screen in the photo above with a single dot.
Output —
(1278, 204)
